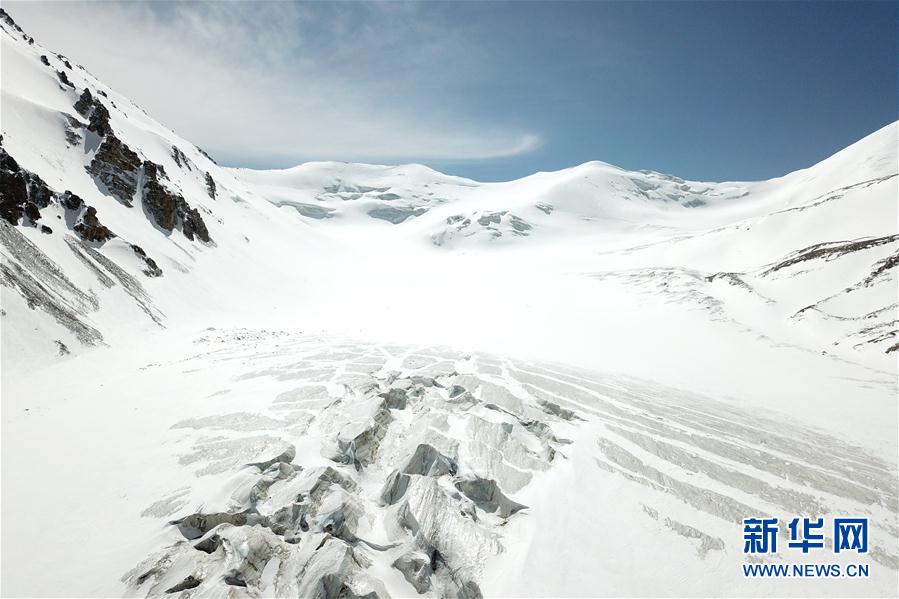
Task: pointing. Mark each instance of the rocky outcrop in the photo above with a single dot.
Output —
(119, 169)
(169, 209)
(84, 217)
(64, 79)
(22, 193)
(181, 159)
(203, 152)
(158, 202)
(210, 185)
(116, 166)
(95, 112)
(151, 270)
(90, 228)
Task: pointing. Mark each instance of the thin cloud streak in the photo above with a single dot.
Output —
(372, 82)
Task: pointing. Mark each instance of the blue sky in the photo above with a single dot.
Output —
(494, 91)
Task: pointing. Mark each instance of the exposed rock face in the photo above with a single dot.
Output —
(116, 166)
(158, 202)
(119, 168)
(45, 60)
(210, 185)
(151, 270)
(22, 193)
(87, 225)
(203, 152)
(180, 158)
(64, 79)
(90, 228)
(9, 20)
(92, 109)
(169, 209)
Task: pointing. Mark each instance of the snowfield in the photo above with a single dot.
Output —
(346, 380)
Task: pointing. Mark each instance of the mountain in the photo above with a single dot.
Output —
(347, 380)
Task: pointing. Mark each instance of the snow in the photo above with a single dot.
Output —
(661, 311)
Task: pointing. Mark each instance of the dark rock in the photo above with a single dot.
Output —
(92, 109)
(180, 159)
(45, 60)
(210, 185)
(167, 208)
(116, 166)
(46, 230)
(22, 193)
(64, 79)
(9, 21)
(90, 228)
(192, 223)
(152, 269)
(70, 201)
(32, 212)
(201, 151)
(85, 102)
(72, 126)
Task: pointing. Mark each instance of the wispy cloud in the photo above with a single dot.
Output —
(281, 82)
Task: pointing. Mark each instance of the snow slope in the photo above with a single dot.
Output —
(342, 378)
